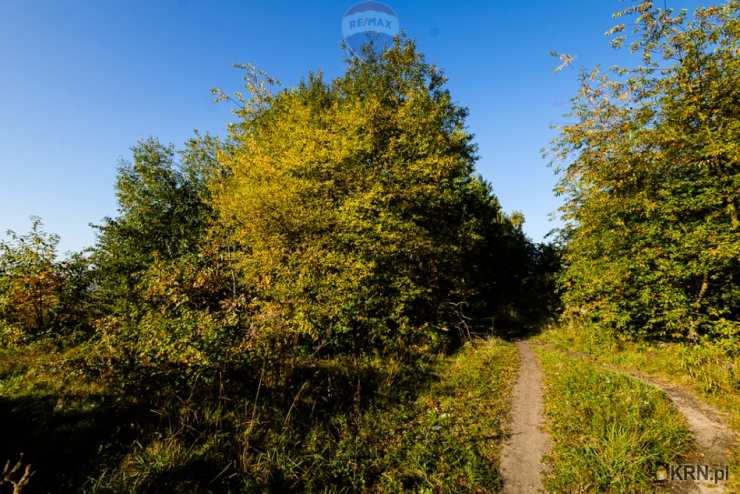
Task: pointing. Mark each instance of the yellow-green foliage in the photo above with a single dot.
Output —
(609, 432)
(354, 211)
(40, 295)
(650, 172)
(263, 313)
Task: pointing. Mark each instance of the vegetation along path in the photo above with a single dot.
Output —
(714, 438)
(521, 461)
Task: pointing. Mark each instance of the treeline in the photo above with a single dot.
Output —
(650, 169)
(262, 293)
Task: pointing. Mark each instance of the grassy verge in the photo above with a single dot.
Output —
(451, 442)
(707, 370)
(443, 437)
(446, 440)
(609, 432)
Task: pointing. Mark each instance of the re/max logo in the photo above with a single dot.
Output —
(708, 473)
(365, 22)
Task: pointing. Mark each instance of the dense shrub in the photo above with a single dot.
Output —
(358, 223)
(40, 294)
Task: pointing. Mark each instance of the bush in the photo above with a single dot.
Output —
(41, 295)
(356, 218)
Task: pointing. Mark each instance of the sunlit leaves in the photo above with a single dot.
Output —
(354, 208)
(650, 176)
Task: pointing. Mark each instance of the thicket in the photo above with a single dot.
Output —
(267, 293)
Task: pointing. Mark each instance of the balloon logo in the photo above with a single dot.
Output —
(370, 24)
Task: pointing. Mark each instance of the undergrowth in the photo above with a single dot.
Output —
(441, 435)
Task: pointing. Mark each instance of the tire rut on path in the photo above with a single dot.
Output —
(522, 453)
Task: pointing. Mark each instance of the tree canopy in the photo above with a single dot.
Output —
(650, 172)
(358, 221)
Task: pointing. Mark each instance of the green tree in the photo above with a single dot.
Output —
(164, 212)
(650, 176)
(167, 297)
(29, 283)
(356, 218)
(39, 293)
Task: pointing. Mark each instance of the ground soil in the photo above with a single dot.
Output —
(522, 454)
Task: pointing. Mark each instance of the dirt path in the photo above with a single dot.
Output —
(521, 458)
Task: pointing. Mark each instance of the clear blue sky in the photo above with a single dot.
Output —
(81, 81)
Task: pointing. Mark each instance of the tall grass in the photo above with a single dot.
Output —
(452, 441)
(707, 368)
(711, 369)
(609, 432)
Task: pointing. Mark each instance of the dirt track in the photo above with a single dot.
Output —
(713, 437)
(521, 460)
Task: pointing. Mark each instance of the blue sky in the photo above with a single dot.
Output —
(81, 81)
